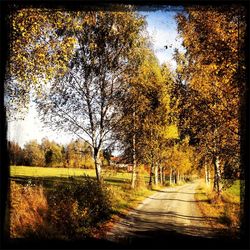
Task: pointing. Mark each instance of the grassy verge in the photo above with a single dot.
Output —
(124, 200)
(225, 209)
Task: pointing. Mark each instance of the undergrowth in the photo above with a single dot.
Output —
(70, 210)
(66, 211)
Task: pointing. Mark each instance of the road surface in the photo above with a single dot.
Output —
(171, 214)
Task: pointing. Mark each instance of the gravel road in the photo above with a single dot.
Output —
(170, 213)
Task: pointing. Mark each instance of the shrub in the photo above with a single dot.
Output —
(28, 208)
(65, 211)
(75, 208)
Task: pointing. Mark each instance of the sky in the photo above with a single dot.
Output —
(162, 29)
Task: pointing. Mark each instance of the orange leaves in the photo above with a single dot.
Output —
(211, 37)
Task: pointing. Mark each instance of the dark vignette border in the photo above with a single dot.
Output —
(6, 7)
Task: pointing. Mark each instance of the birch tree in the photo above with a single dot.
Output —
(214, 39)
(82, 101)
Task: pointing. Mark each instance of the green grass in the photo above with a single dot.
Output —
(23, 173)
(226, 209)
(234, 189)
(120, 181)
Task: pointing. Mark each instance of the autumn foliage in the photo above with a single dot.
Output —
(67, 211)
(28, 209)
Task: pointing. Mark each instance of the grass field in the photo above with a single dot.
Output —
(234, 189)
(49, 172)
(23, 173)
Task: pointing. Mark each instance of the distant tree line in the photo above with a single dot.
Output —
(76, 154)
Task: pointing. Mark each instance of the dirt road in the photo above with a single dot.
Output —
(170, 214)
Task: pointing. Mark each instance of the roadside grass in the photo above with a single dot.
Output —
(226, 210)
(124, 199)
(235, 188)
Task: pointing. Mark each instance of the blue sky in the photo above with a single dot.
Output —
(162, 30)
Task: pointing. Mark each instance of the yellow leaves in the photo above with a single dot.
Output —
(214, 66)
(171, 132)
(92, 46)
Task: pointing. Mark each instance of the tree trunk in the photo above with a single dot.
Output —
(175, 177)
(151, 175)
(134, 165)
(156, 174)
(206, 177)
(97, 164)
(170, 177)
(217, 176)
(161, 175)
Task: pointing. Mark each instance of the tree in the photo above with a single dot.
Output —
(35, 36)
(134, 107)
(15, 153)
(79, 155)
(147, 123)
(213, 39)
(52, 152)
(33, 154)
(82, 101)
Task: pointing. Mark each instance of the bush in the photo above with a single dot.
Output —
(65, 211)
(77, 208)
(28, 208)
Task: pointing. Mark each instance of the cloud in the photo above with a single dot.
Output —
(162, 29)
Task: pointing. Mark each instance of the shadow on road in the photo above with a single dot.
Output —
(164, 239)
(170, 214)
(152, 198)
(150, 234)
(151, 239)
(176, 192)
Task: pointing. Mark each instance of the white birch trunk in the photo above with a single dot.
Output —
(97, 164)
(170, 177)
(134, 160)
(156, 174)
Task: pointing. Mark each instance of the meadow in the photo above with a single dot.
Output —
(27, 171)
(24, 173)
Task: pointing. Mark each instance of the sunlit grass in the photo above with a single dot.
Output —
(226, 209)
(24, 171)
(234, 189)
(111, 177)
